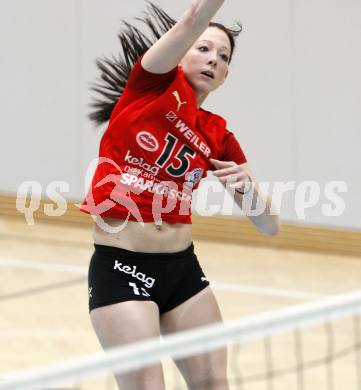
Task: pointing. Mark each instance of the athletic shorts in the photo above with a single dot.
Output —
(168, 279)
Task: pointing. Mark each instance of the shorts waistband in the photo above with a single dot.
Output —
(161, 256)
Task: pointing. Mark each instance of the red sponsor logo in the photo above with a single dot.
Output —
(147, 141)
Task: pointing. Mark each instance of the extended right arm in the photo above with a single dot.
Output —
(169, 50)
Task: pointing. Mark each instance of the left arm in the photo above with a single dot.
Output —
(240, 179)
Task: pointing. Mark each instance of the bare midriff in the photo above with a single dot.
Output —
(146, 237)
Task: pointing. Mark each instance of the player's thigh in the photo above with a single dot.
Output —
(125, 322)
(128, 322)
(207, 370)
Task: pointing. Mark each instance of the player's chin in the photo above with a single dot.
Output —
(205, 86)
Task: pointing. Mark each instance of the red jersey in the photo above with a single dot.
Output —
(156, 150)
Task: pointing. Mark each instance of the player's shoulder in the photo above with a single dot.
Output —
(210, 116)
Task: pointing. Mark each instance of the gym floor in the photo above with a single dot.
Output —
(44, 313)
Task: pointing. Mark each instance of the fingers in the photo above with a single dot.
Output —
(222, 164)
(234, 178)
(226, 171)
(230, 174)
(224, 167)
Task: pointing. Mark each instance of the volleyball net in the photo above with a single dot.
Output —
(304, 347)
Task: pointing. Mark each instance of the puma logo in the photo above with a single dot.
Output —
(180, 103)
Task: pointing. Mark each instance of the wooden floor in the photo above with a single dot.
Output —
(44, 315)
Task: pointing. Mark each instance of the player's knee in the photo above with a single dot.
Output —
(150, 378)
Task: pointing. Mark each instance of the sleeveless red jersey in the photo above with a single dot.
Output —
(156, 150)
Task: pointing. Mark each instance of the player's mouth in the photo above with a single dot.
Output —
(208, 74)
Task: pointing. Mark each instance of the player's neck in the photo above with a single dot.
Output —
(200, 98)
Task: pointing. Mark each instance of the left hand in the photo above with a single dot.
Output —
(232, 175)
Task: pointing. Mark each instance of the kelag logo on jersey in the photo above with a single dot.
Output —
(139, 162)
(147, 141)
(192, 178)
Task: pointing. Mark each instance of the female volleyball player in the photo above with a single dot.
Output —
(144, 278)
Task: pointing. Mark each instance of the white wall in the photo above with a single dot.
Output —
(39, 94)
(293, 96)
(327, 98)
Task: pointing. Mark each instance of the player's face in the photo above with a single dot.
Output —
(211, 53)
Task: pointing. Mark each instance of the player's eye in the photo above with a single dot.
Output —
(225, 57)
(203, 49)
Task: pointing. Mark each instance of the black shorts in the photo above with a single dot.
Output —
(168, 279)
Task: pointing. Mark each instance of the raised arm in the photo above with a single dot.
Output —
(169, 50)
